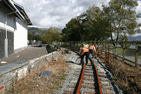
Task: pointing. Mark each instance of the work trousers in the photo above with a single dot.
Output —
(87, 57)
(92, 52)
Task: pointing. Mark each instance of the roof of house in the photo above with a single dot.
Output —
(19, 10)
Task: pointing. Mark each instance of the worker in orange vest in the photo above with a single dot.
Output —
(84, 51)
(92, 50)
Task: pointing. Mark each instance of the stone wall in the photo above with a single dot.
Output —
(11, 73)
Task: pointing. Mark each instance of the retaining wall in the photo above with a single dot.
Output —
(11, 73)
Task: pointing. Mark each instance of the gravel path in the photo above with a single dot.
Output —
(25, 55)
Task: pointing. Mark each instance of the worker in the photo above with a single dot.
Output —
(92, 50)
(84, 51)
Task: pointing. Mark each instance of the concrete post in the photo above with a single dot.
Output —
(6, 39)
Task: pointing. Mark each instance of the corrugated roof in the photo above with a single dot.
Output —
(20, 11)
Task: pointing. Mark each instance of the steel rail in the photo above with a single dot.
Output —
(99, 84)
(81, 79)
(82, 75)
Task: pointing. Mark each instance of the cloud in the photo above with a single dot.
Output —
(139, 7)
(56, 13)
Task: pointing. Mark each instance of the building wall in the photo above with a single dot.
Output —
(20, 35)
(11, 25)
(16, 31)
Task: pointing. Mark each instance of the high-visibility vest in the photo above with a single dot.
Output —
(84, 50)
(91, 47)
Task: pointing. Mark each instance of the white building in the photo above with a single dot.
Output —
(13, 27)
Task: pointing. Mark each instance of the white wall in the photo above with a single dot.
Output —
(15, 25)
(20, 35)
(11, 25)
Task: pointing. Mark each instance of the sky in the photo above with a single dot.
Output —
(57, 13)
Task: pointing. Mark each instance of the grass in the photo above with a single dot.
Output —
(35, 84)
(125, 75)
(63, 77)
(128, 52)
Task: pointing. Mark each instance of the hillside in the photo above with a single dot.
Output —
(131, 38)
(39, 31)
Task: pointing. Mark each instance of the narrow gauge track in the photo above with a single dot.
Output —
(89, 80)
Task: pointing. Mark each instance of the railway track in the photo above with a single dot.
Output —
(90, 79)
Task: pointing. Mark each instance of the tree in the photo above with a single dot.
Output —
(37, 37)
(88, 26)
(125, 39)
(30, 37)
(71, 31)
(98, 25)
(51, 35)
(122, 16)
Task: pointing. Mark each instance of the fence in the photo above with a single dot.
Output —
(126, 50)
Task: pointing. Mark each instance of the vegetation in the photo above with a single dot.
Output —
(35, 84)
(122, 16)
(88, 26)
(46, 36)
(127, 77)
(115, 19)
(124, 39)
(51, 35)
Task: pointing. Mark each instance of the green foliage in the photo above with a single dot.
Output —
(34, 37)
(87, 26)
(122, 16)
(30, 37)
(124, 39)
(71, 31)
(37, 37)
(118, 17)
(51, 35)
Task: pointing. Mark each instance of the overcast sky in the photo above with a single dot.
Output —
(56, 13)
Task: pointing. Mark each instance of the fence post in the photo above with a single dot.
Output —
(136, 54)
(108, 50)
(98, 43)
(99, 47)
(115, 49)
(103, 46)
(123, 50)
(95, 43)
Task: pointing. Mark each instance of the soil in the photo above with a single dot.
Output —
(127, 77)
(34, 84)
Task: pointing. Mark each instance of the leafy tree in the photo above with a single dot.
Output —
(87, 26)
(34, 37)
(51, 35)
(30, 37)
(37, 37)
(125, 39)
(122, 16)
(97, 24)
(72, 31)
